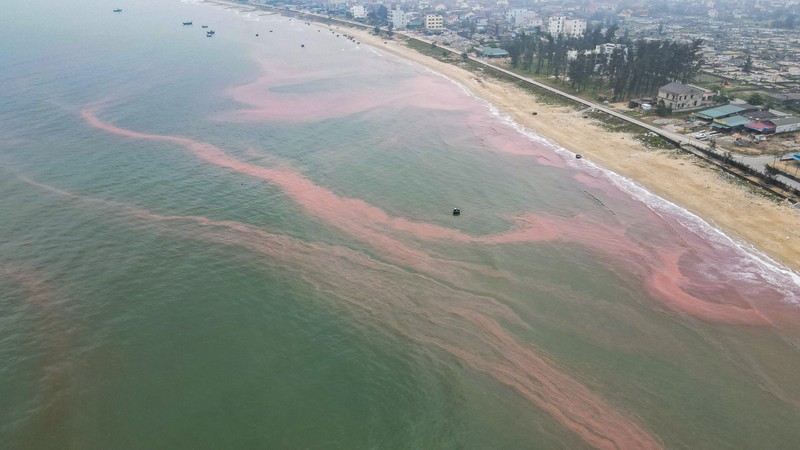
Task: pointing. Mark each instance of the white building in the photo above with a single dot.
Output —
(786, 124)
(511, 14)
(521, 17)
(566, 26)
(680, 96)
(398, 18)
(359, 12)
(434, 22)
(605, 49)
(528, 19)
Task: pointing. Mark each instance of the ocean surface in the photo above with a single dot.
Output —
(246, 242)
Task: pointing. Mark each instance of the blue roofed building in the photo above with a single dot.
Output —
(491, 52)
(720, 112)
(731, 122)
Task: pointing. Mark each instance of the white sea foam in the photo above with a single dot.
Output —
(752, 264)
(751, 261)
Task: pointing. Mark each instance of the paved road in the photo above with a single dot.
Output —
(756, 162)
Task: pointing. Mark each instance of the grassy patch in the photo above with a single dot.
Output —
(653, 140)
(616, 125)
(612, 123)
(427, 49)
(555, 84)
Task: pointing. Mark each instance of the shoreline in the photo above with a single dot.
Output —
(771, 227)
(742, 213)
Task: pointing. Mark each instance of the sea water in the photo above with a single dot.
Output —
(247, 242)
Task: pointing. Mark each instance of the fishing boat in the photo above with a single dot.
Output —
(204, 26)
(117, 10)
(456, 212)
(210, 33)
(187, 23)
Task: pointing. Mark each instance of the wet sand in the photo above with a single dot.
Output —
(771, 226)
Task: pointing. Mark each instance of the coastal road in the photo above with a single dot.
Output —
(676, 137)
(758, 163)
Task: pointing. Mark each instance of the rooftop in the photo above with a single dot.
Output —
(760, 126)
(761, 115)
(675, 88)
(491, 51)
(785, 121)
(720, 111)
(731, 122)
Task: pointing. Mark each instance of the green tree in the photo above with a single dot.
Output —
(610, 33)
(382, 13)
(755, 99)
(747, 67)
(661, 109)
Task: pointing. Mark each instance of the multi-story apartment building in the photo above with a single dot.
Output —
(434, 22)
(359, 12)
(566, 25)
(398, 18)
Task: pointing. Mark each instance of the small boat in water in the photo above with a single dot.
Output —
(187, 23)
(117, 10)
(210, 33)
(204, 26)
(456, 212)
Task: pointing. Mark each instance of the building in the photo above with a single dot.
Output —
(567, 26)
(433, 22)
(680, 97)
(491, 52)
(760, 115)
(359, 12)
(399, 19)
(527, 19)
(512, 14)
(786, 124)
(734, 122)
(530, 20)
(720, 112)
(761, 127)
(785, 99)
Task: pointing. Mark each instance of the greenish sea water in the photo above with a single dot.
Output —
(242, 242)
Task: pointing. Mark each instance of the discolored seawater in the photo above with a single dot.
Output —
(239, 242)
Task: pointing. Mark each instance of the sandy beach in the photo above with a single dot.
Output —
(738, 209)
